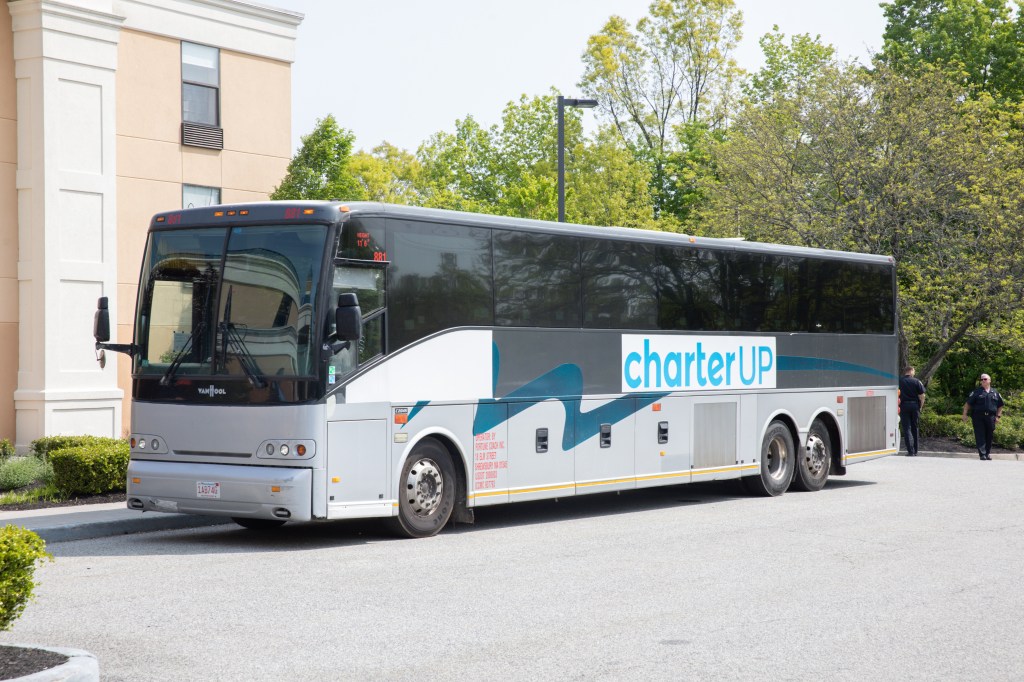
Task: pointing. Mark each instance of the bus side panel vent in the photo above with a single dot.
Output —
(714, 435)
(865, 424)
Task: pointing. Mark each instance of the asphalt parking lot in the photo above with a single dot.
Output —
(907, 568)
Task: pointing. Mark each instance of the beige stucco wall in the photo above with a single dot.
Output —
(255, 99)
(8, 229)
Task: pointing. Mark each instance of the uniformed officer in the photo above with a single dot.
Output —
(986, 408)
(911, 402)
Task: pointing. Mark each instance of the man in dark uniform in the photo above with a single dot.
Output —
(986, 408)
(911, 402)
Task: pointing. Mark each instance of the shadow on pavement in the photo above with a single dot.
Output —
(230, 538)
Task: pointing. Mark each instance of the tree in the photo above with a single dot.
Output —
(676, 69)
(894, 164)
(511, 169)
(320, 169)
(388, 174)
(789, 71)
(979, 38)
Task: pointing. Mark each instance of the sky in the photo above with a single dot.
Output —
(402, 70)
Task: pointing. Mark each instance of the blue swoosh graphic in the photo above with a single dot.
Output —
(416, 410)
(565, 383)
(796, 363)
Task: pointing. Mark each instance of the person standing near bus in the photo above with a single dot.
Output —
(986, 408)
(911, 402)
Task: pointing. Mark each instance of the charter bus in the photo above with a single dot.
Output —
(298, 361)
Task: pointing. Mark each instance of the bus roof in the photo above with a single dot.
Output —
(333, 211)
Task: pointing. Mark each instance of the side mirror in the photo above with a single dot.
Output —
(348, 318)
(101, 321)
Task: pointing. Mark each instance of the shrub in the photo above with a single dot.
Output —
(91, 469)
(20, 549)
(1009, 432)
(6, 450)
(20, 472)
(42, 447)
(934, 425)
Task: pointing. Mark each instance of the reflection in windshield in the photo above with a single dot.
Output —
(264, 299)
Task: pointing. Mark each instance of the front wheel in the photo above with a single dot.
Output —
(813, 464)
(777, 461)
(426, 494)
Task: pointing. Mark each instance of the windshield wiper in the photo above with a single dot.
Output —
(168, 376)
(230, 338)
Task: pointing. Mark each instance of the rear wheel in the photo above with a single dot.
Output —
(777, 462)
(426, 494)
(257, 524)
(813, 464)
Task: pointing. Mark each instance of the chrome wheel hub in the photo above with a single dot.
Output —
(817, 456)
(424, 487)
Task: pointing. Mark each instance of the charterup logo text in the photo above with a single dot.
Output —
(697, 363)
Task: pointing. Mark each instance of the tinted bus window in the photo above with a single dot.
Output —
(619, 285)
(691, 283)
(536, 280)
(439, 277)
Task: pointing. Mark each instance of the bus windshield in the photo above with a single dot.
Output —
(234, 301)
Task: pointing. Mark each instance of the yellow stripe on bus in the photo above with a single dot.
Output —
(614, 481)
(876, 453)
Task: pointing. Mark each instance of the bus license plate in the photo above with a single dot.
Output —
(210, 489)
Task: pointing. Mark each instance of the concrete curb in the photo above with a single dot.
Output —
(90, 530)
(81, 666)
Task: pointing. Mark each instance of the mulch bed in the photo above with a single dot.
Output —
(16, 661)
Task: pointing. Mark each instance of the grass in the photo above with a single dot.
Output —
(27, 479)
(45, 492)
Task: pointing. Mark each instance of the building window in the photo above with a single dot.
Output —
(200, 96)
(200, 84)
(197, 196)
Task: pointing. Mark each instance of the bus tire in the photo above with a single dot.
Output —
(813, 464)
(257, 524)
(777, 461)
(426, 495)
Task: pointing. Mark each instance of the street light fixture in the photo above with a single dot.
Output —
(564, 102)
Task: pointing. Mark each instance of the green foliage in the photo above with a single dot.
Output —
(42, 447)
(388, 174)
(91, 469)
(936, 425)
(885, 163)
(1009, 431)
(20, 550)
(320, 169)
(978, 39)
(6, 450)
(22, 471)
(45, 492)
(959, 373)
(791, 70)
(674, 70)
(511, 169)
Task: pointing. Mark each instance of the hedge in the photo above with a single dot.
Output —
(91, 469)
(20, 549)
(1009, 431)
(42, 447)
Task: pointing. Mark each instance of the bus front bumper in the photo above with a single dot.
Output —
(252, 492)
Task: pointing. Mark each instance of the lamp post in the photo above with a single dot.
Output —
(564, 102)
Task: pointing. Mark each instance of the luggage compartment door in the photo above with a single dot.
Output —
(357, 461)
